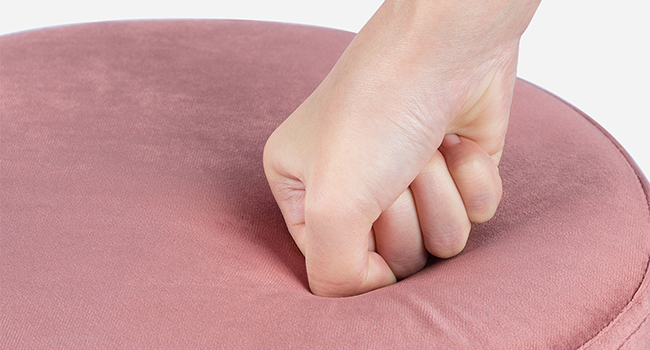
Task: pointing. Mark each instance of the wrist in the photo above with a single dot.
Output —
(505, 17)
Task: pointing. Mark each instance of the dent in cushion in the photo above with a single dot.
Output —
(135, 212)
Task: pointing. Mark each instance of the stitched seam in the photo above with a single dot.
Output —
(646, 192)
(636, 330)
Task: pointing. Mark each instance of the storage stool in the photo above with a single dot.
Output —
(134, 211)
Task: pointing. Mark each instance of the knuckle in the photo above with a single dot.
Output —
(408, 264)
(449, 240)
(483, 203)
(481, 208)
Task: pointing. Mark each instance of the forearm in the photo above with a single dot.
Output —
(436, 41)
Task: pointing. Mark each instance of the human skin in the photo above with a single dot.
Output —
(396, 152)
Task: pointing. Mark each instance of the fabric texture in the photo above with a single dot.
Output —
(134, 212)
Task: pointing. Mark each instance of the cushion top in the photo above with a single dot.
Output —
(135, 212)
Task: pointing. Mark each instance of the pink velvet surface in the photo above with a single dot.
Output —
(134, 212)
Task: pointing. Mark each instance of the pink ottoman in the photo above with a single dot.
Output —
(134, 212)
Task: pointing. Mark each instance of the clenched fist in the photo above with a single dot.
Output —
(396, 152)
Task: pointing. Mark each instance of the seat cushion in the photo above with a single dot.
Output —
(134, 211)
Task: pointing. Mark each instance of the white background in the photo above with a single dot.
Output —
(593, 53)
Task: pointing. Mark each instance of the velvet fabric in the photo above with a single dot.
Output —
(134, 212)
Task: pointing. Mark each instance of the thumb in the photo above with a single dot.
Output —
(329, 223)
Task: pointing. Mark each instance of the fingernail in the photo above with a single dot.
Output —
(450, 140)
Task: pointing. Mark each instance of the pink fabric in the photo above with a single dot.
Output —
(134, 212)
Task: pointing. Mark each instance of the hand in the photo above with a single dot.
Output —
(396, 152)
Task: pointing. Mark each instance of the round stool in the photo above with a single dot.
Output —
(134, 211)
